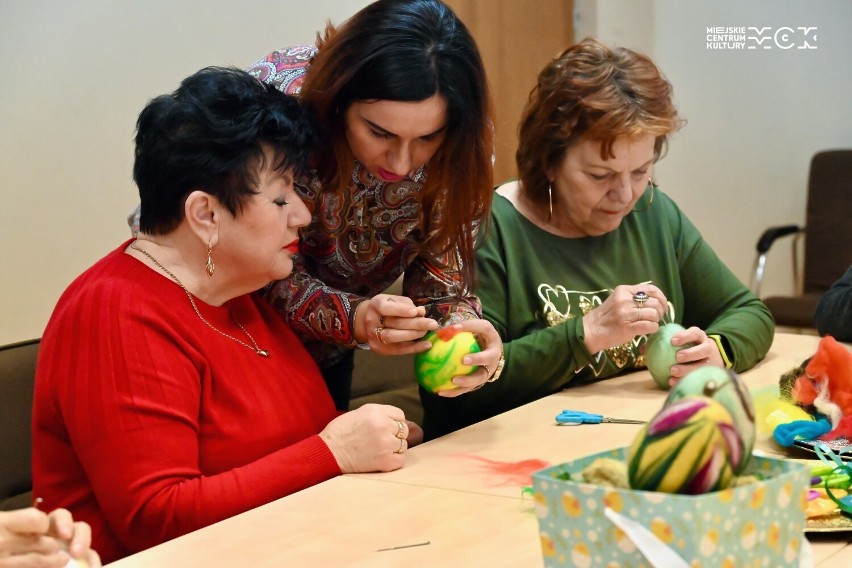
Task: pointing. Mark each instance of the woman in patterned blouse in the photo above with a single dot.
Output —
(402, 186)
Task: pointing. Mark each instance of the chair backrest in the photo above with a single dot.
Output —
(17, 382)
(828, 241)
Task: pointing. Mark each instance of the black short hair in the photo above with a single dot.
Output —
(208, 136)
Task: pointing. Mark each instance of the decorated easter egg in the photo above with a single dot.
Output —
(727, 388)
(660, 354)
(436, 367)
(689, 447)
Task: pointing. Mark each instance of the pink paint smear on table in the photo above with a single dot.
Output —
(508, 473)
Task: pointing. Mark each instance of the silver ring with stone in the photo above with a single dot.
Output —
(640, 298)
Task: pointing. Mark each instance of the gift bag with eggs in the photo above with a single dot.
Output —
(691, 481)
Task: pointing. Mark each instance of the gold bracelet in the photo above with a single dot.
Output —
(497, 370)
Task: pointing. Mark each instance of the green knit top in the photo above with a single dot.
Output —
(535, 287)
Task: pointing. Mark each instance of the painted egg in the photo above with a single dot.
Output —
(660, 354)
(689, 447)
(436, 367)
(727, 388)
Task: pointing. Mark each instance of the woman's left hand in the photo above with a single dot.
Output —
(487, 359)
(704, 352)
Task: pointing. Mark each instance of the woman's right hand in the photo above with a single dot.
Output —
(392, 325)
(620, 318)
(29, 537)
(373, 437)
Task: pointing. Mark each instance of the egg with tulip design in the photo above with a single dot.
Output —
(727, 388)
(691, 447)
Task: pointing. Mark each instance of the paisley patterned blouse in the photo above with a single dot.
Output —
(360, 240)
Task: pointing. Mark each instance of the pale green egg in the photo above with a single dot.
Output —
(660, 354)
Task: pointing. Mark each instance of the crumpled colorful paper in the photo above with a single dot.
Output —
(822, 386)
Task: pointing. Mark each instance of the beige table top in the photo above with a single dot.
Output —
(451, 492)
(457, 461)
(345, 521)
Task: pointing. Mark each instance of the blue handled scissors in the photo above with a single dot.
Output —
(579, 417)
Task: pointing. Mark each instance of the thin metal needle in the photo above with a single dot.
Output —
(404, 546)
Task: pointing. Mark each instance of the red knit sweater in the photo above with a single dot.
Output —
(148, 424)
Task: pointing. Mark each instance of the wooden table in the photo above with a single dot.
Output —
(450, 492)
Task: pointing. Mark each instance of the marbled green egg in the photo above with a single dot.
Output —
(436, 368)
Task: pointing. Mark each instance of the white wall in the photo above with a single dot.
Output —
(755, 117)
(73, 78)
(626, 23)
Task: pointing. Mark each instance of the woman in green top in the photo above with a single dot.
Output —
(585, 256)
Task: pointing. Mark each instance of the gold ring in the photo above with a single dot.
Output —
(638, 313)
(402, 443)
(378, 331)
(487, 370)
(400, 433)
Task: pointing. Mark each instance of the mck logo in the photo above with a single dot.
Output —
(781, 38)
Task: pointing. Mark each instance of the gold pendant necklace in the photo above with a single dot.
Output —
(255, 348)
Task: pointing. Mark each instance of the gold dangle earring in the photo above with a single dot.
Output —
(651, 200)
(549, 201)
(210, 266)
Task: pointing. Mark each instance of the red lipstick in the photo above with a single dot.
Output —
(293, 247)
(389, 176)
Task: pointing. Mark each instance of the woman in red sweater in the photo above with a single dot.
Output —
(169, 396)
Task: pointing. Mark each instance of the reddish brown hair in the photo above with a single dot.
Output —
(591, 92)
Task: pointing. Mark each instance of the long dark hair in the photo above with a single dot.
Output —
(410, 50)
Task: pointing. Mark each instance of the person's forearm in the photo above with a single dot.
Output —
(315, 310)
(834, 314)
(163, 507)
